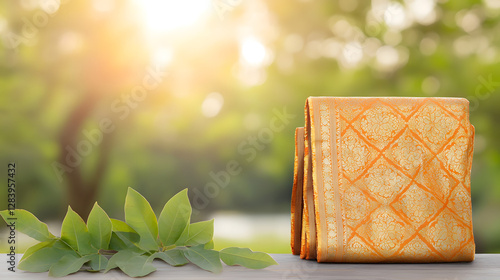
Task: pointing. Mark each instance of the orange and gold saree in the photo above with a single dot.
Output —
(383, 180)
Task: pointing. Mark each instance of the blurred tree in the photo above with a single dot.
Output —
(226, 72)
(103, 72)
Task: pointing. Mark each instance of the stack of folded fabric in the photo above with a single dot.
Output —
(383, 180)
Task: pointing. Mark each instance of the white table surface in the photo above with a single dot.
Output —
(485, 266)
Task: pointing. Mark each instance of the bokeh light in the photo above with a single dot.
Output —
(212, 104)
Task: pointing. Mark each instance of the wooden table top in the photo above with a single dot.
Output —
(486, 266)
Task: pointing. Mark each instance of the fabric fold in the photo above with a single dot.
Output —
(298, 177)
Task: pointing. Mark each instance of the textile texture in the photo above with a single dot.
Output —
(383, 180)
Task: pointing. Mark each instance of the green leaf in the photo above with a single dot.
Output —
(125, 232)
(173, 257)
(41, 259)
(140, 216)
(174, 218)
(121, 226)
(37, 247)
(209, 245)
(124, 237)
(119, 257)
(67, 265)
(28, 224)
(99, 227)
(74, 232)
(246, 258)
(137, 266)
(116, 243)
(120, 244)
(184, 236)
(200, 233)
(203, 258)
(98, 262)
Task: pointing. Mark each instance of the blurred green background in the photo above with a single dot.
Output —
(97, 96)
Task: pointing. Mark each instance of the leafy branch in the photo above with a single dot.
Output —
(103, 244)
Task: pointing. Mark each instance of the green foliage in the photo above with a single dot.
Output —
(200, 233)
(132, 245)
(120, 257)
(123, 236)
(204, 258)
(174, 218)
(99, 226)
(98, 262)
(68, 264)
(41, 258)
(140, 216)
(28, 224)
(245, 257)
(174, 257)
(75, 233)
(36, 248)
(137, 265)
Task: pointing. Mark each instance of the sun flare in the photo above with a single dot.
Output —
(163, 16)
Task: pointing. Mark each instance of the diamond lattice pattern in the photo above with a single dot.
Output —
(405, 168)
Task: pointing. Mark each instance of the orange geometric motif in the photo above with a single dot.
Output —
(383, 180)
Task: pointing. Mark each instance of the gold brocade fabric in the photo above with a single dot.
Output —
(383, 180)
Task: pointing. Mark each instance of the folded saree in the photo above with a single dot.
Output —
(383, 180)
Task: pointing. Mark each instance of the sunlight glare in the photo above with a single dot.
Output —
(162, 56)
(163, 16)
(253, 52)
